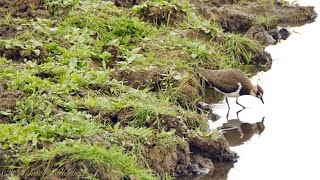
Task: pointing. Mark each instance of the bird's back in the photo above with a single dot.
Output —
(227, 80)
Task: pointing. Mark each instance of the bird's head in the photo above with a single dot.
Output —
(259, 127)
(257, 92)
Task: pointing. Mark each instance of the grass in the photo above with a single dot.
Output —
(112, 159)
(267, 21)
(63, 74)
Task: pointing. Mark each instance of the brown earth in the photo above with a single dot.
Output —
(202, 151)
(191, 154)
(8, 31)
(24, 8)
(125, 3)
(140, 79)
(240, 18)
(162, 15)
(18, 54)
(8, 101)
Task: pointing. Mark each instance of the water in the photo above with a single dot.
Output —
(289, 145)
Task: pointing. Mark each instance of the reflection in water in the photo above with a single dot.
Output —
(237, 132)
(220, 172)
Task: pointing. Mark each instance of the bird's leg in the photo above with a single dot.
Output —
(239, 103)
(228, 108)
(227, 102)
(228, 114)
(239, 112)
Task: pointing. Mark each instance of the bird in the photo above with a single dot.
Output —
(237, 132)
(232, 83)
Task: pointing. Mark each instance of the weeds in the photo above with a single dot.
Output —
(267, 21)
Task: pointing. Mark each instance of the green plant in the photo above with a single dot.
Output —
(239, 47)
(267, 21)
(112, 159)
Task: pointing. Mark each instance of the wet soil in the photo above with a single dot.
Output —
(126, 3)
(8, 101)
(8, 31)
(24, 8)
(162, 14)
(140, 79)
(18, 54)
(191, 154)
(194, 153)
(241, 18)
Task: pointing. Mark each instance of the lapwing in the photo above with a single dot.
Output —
(232, 83)
(237, 132)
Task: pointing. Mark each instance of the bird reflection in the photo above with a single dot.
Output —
(237, 132)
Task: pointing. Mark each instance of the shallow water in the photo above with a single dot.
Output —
(288, 146)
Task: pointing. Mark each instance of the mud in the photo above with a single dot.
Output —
(163, 159)
(261, 58)
(18, 54)
(8, 31)
(259, 33)
(241, 18)
(162, 14)
(24, 8)
(284, 14)
(8, 101)
(199, 152)
(171, 159)
(126, 3)
(217, 150)
(191, 154)
(150, 78)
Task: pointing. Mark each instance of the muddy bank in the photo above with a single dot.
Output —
(240, 17)
(190, 154)
(259, 21)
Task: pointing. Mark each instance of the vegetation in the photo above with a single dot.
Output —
(81, 103)
(269, 22)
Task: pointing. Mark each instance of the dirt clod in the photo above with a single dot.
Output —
(141, 79)
(8, 99)
(18, 54)
(125, 3)
(24, 8)
(162, 14)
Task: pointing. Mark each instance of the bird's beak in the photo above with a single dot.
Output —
(261, 100)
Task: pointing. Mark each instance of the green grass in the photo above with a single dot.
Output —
(67, 76)
(267, 21)
(112, 159)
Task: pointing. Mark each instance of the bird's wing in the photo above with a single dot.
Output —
(224, 83)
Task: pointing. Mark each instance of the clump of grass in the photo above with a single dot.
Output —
(163, 12)
(239, 48)
(110, 160)
(59, 7)
(267, 21)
